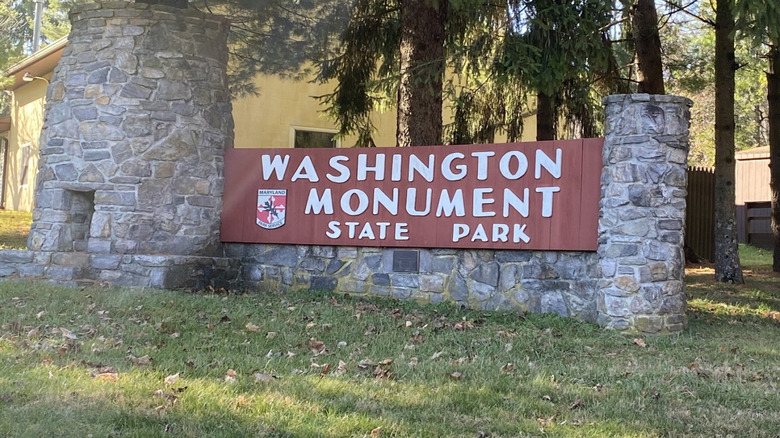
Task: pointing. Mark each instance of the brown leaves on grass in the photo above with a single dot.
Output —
(107, 374)
(140, 361)
(263, 377)
(457, 375)
(231, 376)
(170, 380)
(381, 370)
(317, 347)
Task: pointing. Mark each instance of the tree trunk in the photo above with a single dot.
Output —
(422, 72)
(545, 117)
(773, 96)
(727, 266)
(648, 48)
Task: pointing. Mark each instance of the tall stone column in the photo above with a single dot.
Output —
(137, 119)
(641, 229)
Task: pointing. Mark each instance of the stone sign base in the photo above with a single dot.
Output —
(564, 283)
(155, 271)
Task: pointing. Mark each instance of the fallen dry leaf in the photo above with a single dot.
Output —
(460, 361)
(166, 395)
(376, 431)
(67, 334)
(140, 361)
(437, 355)
(109, 377)
(170, 380)
(413, 361)
(508, 368)
(310, 325)
(341, 369)
(270, 335)
(457, 375)
(230, 376)
(577, 404)
(263, 377)
(317, 347)
(640, 342)
(547, 421)
(251, 327)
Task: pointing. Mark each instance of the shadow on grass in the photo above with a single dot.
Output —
(13, 241)
(757, 300)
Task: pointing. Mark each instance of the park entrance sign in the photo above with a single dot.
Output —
(535, 196)
(589, 229)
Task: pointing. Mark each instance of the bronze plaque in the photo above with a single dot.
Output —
(406, 261)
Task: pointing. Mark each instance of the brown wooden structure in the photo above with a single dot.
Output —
(753, 197)
(700, 215)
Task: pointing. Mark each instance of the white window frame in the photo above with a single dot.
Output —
(294, 128)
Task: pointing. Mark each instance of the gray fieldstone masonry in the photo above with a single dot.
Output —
(130, 184)
(641, 228)
(137, 119)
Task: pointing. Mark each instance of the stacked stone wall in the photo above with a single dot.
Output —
(641, 230)
(564, 283)
(138, 116)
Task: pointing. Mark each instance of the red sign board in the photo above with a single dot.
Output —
(540, 195)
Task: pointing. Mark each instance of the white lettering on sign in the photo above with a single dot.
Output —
(499, 233)
(355, 202)
(368, 230)
(462, 189)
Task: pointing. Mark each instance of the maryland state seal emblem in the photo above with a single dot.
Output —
(271, 206)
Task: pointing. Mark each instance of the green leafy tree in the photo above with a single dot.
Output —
(11, 34)
(689, 47)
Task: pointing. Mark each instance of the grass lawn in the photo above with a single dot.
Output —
(14, 229)
(144, 363)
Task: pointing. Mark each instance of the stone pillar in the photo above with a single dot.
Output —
(641, 229)
(137, 119)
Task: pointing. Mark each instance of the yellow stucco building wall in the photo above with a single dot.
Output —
(23, 135)
(268, 119)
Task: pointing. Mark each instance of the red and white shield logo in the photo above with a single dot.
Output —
(271, 208)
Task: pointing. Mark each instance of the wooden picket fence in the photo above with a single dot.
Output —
(700, 217)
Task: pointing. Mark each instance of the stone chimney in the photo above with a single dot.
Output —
(137, 119)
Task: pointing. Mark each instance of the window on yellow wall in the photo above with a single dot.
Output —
(313, 138)
(24, 164)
